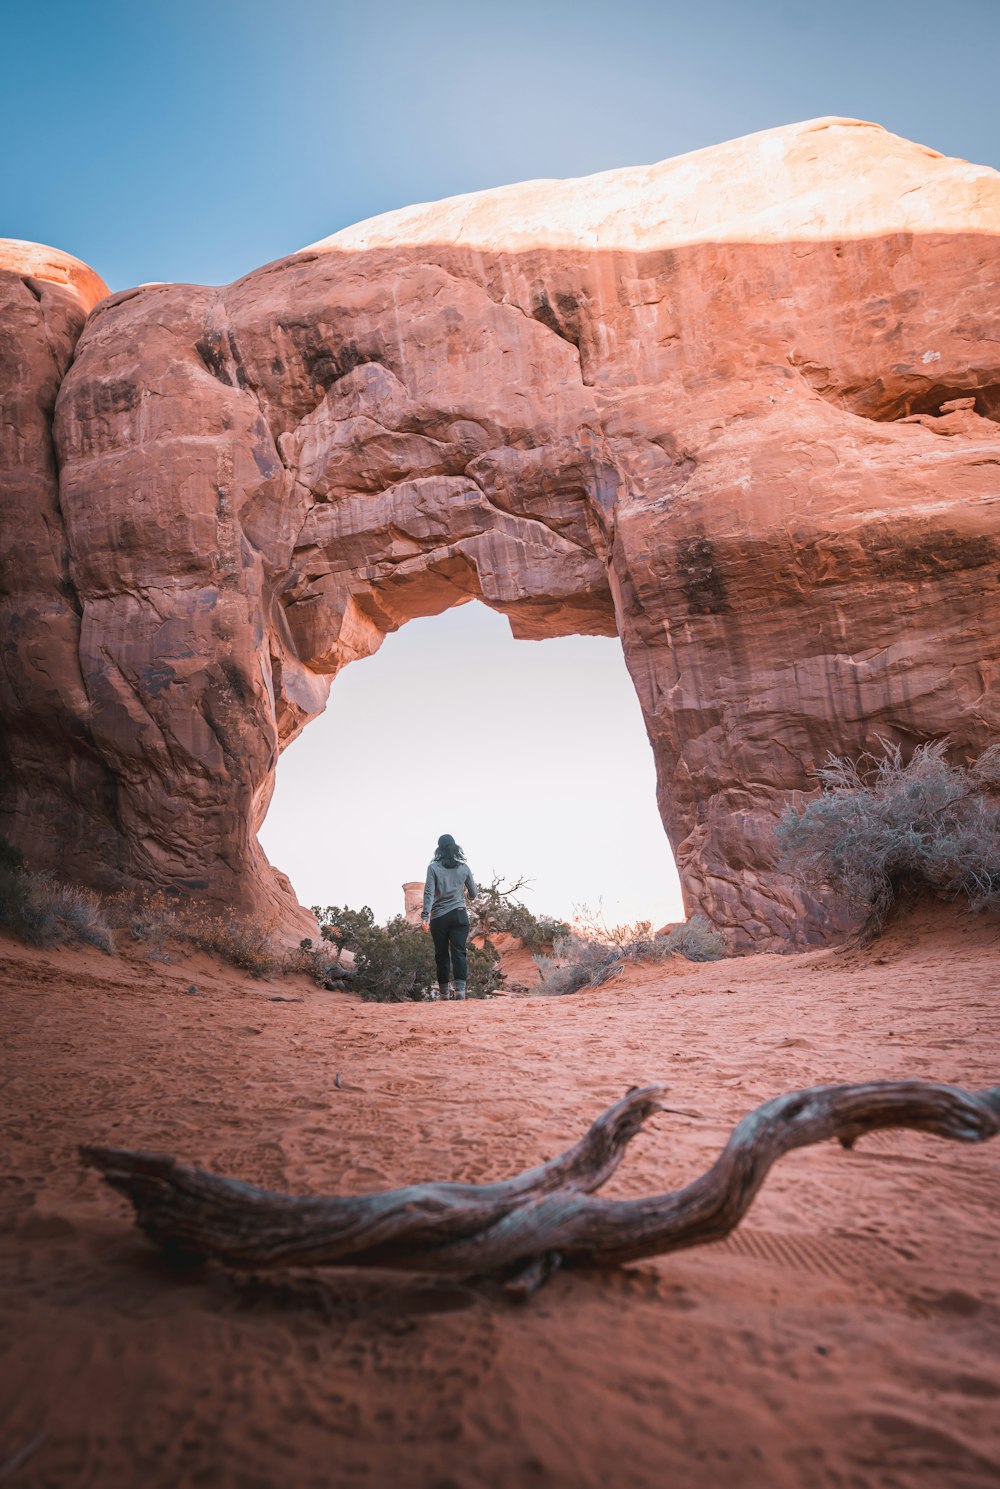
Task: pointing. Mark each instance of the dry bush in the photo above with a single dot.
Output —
(237, 939)
(155, 919)
(695, 940)
(497, 910)
(343, 927)
(148, 917)
(44, 912)
(577, 962)
(316, 962)
(394, 963)
(594, 952)
(883, 827)
(78, 913)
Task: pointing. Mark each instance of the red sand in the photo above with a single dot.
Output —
(848, 1335)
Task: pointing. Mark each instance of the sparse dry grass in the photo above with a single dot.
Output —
(594, 952)
(45, 912)
(883, 827)
(243, 942)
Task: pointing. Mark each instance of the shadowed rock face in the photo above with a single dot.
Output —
(57, 794)
(739, 408)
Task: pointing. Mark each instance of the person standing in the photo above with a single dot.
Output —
(449, 880)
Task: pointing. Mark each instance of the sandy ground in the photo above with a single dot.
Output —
(847, 1335)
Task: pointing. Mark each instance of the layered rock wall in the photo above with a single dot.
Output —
(740, 409)
(57, 793)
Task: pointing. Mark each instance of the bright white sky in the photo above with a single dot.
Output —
(532, 754)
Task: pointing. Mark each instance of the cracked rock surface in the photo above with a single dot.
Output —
(739, 408)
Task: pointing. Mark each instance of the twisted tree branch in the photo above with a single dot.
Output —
(188, 1210)
(524, 1227)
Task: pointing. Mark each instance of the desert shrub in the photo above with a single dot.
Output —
(44, 912)
(316, 962)
(395, 962)
(577, 962)
(342, 926)
(533, 931)
(883, 827)
(537, 931)
(496, 910)
(594, 952)
(150, 916)
(237, 939)
(485, 976)
(695, 939)
(633, 940)
(156, 919)
(78, 913)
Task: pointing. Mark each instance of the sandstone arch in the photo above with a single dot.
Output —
(739, 408)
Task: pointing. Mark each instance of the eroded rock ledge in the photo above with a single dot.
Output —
(740, 408)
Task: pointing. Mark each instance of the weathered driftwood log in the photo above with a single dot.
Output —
(524, 1227)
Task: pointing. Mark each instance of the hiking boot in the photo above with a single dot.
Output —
(460, 990)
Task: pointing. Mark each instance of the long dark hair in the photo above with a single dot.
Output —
(448, 852)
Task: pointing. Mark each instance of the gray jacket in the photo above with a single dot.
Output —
(445, 889)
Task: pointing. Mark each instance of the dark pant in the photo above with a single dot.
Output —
(450, 933)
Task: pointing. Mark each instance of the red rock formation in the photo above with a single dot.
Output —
(720, 406)
(57, 795)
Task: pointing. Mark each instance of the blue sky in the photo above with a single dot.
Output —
(195, 141)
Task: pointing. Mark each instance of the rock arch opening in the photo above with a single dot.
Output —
(534, 755)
